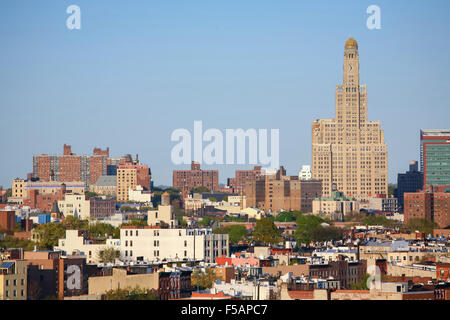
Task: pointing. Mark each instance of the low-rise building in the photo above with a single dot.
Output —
(13, 280)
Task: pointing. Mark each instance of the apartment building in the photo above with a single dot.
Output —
(13, 280)
(129, 176)
(186, 180)
(152, 244)
(85, 208)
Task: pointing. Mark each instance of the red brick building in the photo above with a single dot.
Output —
(7, 221)
(71, 167)
(443, 271)
(186, 180)
(433, 203)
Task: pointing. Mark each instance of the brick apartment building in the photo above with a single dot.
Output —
(433, 203)
(71, 167)
(7, 221)
(237, 184)
(276, 192)
(186, 180)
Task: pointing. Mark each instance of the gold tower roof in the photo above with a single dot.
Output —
(351, 44)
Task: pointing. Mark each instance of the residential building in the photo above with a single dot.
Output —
(276, 192)
(13, 280)
(83, 207)
(433, 203)
(129, 176)
(156, 244)
(77, 242)
(244, 176)
(70, 167)
(139, 195)
(349, 151)
(164, 215)
(335, 206)
(186, 180)
(7, 221)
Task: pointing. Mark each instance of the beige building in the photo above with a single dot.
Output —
(349, 151)
(21, 188)
(13, 280)
(75, 205)
(121, 280)
(335, 206)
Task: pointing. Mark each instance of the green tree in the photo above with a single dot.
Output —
(378, 221)
(322, 234)
(12, 242)
(288, 216)
(200, 190)
(101, 230)
(391, 189)
(74, 223)
(49, 234)
(135, 223)
(212, 199)
(203, 280)
(422, 225)
(305, 226)
(108, 255)
(90, 194)
(265, 231)
(206, 221)
(354, 216)
(236, 232)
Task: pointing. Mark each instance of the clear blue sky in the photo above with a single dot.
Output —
(138, 69)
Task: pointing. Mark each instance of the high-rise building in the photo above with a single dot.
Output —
(129, 176)
(186, 180)
(411, 181)
(70, 167)
(244, 176)
(349, 151)
(435, 157)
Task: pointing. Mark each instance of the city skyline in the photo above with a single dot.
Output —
(96, 86)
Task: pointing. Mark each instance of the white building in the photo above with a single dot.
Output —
(77, 242)
(139, 195)
(305, 173)
(164, 214)
(246, 290)
(156, 244)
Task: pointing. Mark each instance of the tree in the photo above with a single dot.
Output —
(362, 285)
(206, 221)
(212, 199)
(305, 226)
(422, 225)
(12, 242)
(49, 234)
(378, 221)
(322, 234)
(90, 194)
(354, 216)
(288, 216)
(200, 190)
(391, 189)
(74, 223)
(135, 223)
(236, 232)
(203, 280)
(108, 255)
(265, 231)
(131, 294)
(101, 230)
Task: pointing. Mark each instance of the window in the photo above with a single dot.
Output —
(131, 232)
(126, 233)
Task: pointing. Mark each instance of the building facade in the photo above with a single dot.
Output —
(186, 180)
(435, 157)
(156, 244)
(349, 151)
(411, 181)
